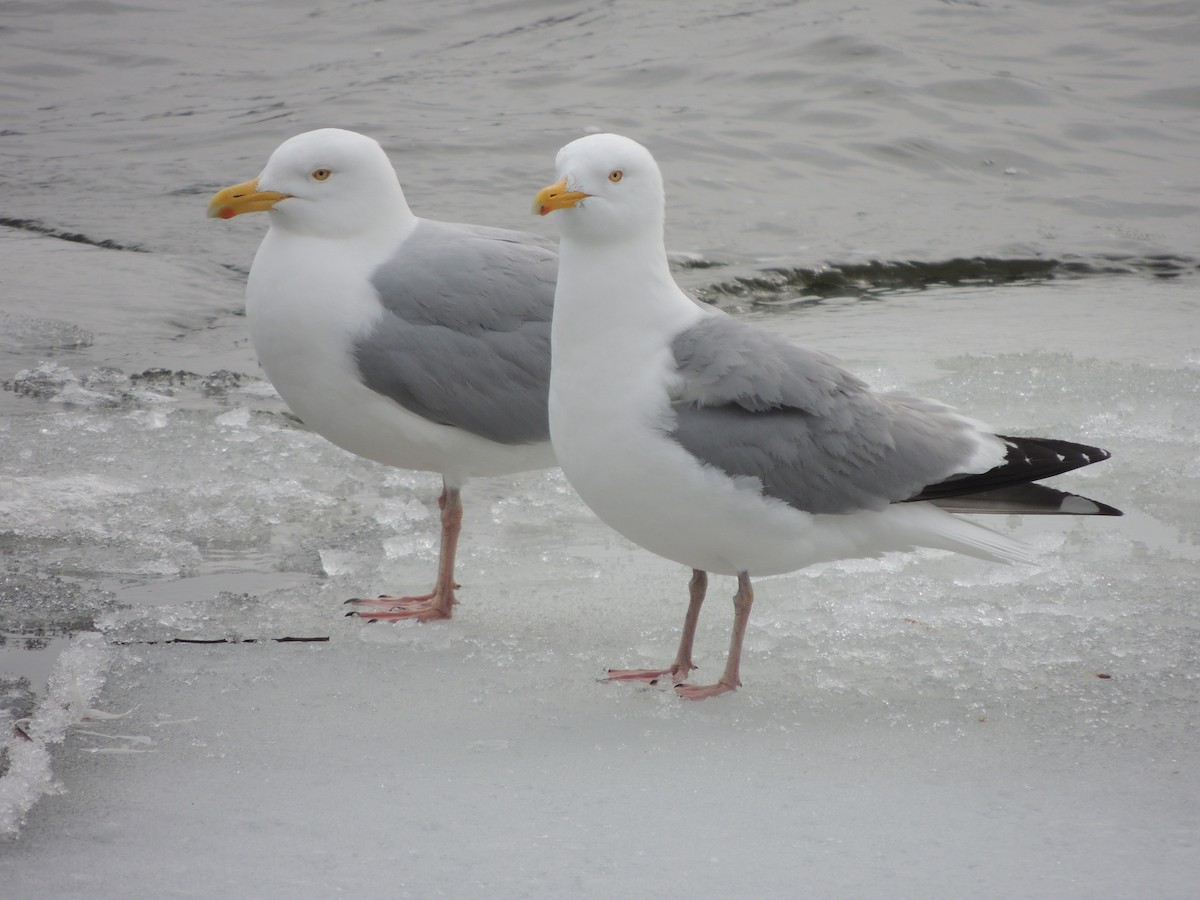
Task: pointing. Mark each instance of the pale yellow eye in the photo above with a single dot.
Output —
(321, 174)
(615, 175)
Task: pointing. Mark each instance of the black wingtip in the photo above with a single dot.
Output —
(1027, 500)
(1027, 460)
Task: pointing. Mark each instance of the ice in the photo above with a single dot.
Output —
(926, 717)
(52, 381)
(480, 754)
(44, 334)
(26, 757)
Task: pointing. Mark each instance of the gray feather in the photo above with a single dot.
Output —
(754, 405)
(465, 338)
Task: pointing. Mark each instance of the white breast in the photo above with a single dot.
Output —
(307, 305)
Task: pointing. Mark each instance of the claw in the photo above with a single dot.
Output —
(701, 692)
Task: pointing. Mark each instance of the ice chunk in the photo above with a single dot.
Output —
(74, 685)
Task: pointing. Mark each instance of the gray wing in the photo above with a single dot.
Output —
(757, 406)
(465, 337)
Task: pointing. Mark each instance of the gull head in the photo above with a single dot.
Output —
(609, 187)
(327, 183)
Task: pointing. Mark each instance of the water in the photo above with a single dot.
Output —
(993, 204)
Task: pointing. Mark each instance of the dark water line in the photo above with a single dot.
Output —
(36, 227)
(857, 279)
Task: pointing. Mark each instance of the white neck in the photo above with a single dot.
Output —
(616, 312)
(621, 290)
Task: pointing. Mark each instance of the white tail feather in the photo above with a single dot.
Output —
(947, 532)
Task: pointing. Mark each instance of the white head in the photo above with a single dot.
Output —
(328, 183)
(610, 188)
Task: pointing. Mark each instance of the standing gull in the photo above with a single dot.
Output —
(415, 343)
(729, 450)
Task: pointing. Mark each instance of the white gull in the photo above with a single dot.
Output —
(729, 450)
(418, 344)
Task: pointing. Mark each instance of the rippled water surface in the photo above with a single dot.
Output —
(993, 203)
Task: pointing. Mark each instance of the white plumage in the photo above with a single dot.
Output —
(728, 450)
(418, 344)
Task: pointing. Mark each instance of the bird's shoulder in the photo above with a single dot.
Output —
(722, 360)
(450, 273)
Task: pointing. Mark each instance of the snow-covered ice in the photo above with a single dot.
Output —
(942, 725)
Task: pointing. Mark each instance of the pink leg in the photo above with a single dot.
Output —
(683, 659)
(439, 603)
(730, 680)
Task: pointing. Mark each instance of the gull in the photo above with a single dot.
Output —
(730, 450)
(415, 343)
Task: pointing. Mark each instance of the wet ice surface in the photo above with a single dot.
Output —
(922, 725)
(923, 720)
